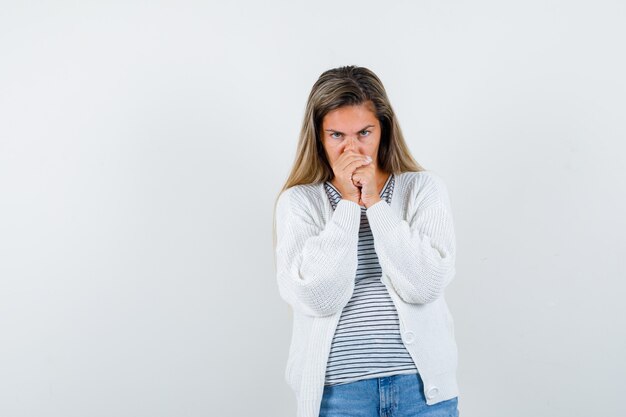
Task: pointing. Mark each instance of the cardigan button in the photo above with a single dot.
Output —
(432, 392)
(409, 336)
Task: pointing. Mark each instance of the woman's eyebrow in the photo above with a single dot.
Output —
(336, 131)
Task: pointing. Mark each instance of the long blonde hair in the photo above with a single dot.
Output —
(338, 87)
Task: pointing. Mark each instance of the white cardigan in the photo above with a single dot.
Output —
(316, 261)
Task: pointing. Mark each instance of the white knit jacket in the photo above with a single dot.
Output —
(316, 260)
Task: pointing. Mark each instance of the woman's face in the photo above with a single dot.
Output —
(351, 127)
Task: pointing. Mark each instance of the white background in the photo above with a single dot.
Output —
(142, 146)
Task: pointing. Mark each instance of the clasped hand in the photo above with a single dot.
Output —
(356, 178)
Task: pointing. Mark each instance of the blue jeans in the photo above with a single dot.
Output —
(390, 396)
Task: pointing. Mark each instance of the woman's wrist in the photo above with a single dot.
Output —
(354, 200)
(373, 201)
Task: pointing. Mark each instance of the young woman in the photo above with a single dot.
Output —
(365, 247)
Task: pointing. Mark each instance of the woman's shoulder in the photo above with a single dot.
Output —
(301, 195)
(425, 186)
(303, 191)
(421, 180)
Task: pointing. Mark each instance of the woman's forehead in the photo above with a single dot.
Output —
(350, 117)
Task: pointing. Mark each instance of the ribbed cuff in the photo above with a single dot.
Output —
(382, 218)
(347, 212)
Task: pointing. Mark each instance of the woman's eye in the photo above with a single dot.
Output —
(365, 132)
(335, 133)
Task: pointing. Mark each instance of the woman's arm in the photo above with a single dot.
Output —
(418, 255)
(316, 267)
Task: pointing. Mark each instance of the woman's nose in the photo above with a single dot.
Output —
(351, 143)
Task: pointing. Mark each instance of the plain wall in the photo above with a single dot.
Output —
(143, 144)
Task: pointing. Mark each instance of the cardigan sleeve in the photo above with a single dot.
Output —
(418, 255)
(316, 267)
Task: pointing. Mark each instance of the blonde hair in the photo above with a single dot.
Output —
(338, 87)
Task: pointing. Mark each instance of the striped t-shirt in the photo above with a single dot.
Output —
(367, 342)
